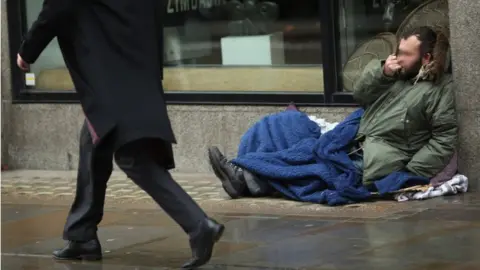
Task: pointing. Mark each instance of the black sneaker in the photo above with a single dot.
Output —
(230, 175)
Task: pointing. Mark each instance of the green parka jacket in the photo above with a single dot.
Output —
(406, 125)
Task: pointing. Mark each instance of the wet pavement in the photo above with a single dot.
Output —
(58, 188)
(437, 234)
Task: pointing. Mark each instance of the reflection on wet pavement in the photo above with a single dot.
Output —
(440, 234)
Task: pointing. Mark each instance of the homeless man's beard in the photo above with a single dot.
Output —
(407, 74)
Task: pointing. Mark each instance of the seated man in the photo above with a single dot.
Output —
(409, 120)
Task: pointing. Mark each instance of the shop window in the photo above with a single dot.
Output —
(223, 45)
(49, 69)
(369, 29)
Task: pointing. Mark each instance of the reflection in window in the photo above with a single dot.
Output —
(243, 46)
(224, 45)
(195, 35)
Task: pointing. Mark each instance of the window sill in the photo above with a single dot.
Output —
(280, 98)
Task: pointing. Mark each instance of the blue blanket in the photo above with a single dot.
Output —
(288, 150)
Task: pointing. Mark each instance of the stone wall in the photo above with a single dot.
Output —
(46, 137)
(6, 86)
(465, 41)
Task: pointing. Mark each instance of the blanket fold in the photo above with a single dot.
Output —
(289, 151)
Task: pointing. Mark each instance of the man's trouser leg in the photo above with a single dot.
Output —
(87, 209)
(140, 163)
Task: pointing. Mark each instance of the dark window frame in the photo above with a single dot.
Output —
(332, 95)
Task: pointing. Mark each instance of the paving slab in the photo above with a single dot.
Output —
(58, 187)
(437, 234)
(148, 239)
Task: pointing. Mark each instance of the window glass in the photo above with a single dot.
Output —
(223, 45)
(369, 29)
(49, 69)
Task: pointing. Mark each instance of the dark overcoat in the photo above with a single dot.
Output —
(113, 50)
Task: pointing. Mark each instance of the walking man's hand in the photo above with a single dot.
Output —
(22, 64)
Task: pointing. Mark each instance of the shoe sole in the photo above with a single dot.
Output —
(227, 185)
(80, 258)
(214, 168)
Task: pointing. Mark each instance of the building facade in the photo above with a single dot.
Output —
(229, 63)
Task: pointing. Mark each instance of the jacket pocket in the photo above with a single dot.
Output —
(381, 159)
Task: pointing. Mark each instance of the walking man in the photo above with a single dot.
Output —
(114, 53)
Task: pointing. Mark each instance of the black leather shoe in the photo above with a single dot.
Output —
(89, 251)
(230, 175)
(202, 243)
(256, 187)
